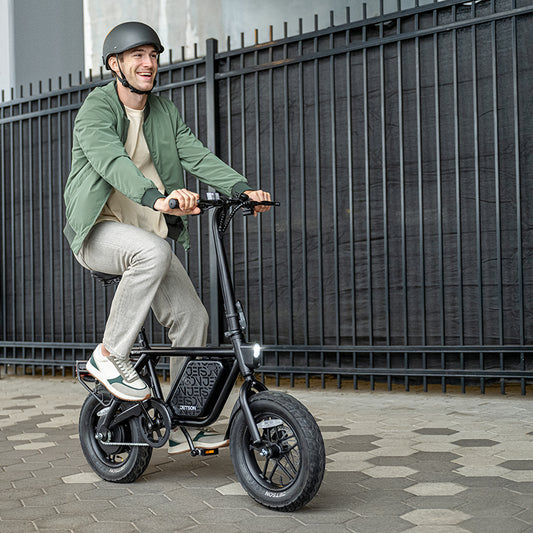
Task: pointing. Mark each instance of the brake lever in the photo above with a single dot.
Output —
(249, 207)
(248, 210)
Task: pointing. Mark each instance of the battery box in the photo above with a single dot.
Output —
(199, 387)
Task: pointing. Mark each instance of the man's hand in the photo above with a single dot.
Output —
(187, 200)
(259, 196)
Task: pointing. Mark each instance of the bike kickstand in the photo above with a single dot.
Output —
(194, 451)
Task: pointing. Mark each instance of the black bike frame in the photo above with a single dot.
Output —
(240, 352)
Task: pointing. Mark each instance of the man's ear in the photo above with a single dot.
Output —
(113, 64)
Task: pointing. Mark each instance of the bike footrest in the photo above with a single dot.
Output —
(209, 452)
(203, 452)
(82, 372)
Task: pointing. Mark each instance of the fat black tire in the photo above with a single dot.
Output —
(120, 463)
(290, 480)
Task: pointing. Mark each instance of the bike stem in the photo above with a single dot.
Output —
(234, 333)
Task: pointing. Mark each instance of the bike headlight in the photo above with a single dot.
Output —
(257, 351)
(252, 355)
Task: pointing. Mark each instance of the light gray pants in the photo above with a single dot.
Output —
(152, 276)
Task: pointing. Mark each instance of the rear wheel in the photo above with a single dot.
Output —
(284, 473)
(119, 462)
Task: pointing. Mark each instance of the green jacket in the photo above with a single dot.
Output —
(100, 162)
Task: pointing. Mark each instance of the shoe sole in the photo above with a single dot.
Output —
(95, 373)
(182, 449)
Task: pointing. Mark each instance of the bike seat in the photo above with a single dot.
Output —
(106, 279)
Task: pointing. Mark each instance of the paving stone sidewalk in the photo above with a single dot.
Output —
(396, 461)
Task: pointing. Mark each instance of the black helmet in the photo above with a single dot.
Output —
(126, 36)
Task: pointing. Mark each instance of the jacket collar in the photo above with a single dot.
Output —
(111, 89)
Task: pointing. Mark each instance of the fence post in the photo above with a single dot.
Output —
(212, 143)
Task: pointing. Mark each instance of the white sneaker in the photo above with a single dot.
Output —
(202, 439)
(118, 376)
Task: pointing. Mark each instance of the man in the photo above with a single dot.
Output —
(130, 151)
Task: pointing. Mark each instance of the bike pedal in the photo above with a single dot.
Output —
(209, 452)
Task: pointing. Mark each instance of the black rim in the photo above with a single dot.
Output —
(113, 456)
(276, 466)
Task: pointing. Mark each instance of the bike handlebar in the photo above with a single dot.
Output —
(216, 200)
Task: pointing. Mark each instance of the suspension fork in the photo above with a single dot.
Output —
(244, 396)
(106, 416)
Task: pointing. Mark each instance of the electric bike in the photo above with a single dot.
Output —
(275, 444)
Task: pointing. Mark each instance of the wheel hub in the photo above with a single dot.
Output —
(270, 451)
(115, 436)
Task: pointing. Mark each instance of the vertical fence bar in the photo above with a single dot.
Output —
(51, 287)
(518, 196)
(13, 235)
(458, 213)
(477, 180)
(405, 307)
(272, 175)
(3, 207)
(230, 149)
(440, 243)
(351, 186)
(184, 117)
(211, 46)
(303, 203)
(242, 79)
(334, 195)
(420, 178)
(384, 199)
(40, 183)
(368, 213)
(229, 109)
(31, 231)
(288, 213)
(319, 203)
(59, 175)
(71, 266)
(22, 243)
(214, 149)
(83, 301)
(258, 221)
(497, 206)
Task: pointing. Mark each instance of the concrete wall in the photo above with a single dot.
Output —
(7, 74)
(42, 39)
(39, 40)
(182, 23)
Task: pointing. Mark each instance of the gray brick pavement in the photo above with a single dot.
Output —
(417, 462)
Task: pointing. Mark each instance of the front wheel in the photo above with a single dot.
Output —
(284, 473)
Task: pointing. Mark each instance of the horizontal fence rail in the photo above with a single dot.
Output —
(400, 150)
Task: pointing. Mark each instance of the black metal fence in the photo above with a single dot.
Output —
(400, 148)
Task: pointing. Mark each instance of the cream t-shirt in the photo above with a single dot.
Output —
(119, 207)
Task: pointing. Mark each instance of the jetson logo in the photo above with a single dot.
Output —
(187, 407)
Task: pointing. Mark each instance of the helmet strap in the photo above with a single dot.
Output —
(127, 84)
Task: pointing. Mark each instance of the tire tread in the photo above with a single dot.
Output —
(309, 429)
